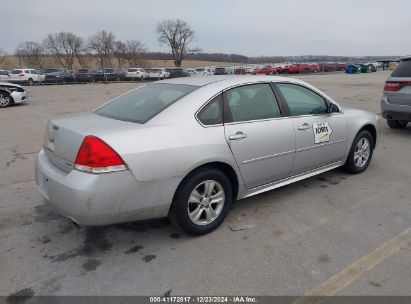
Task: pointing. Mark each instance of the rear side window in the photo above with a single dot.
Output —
(302, 101)
(212, 113)
(142, 104)
(403, 69)
(252, 102)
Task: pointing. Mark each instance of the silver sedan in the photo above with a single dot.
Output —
(188, 147)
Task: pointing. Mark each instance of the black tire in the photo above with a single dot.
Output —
(141, 78)
(5, 99)
(179, 210)
(397, 124)
(30, 82)
(350, 164)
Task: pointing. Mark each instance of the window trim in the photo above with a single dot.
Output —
(288, 111)
(221, 106)
(227, 110)
(205, 105)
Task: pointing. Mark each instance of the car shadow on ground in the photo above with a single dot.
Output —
(69, 242)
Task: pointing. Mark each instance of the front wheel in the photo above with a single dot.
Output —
(5, 100)
(202, 201)
(397, 124)
(360, 153)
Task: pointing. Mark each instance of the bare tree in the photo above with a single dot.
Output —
(84, 58)
(31, 53)
(177, 34)
(134, 52)
(3, 60)
(119, 51)
(65, 47)
(102, 44)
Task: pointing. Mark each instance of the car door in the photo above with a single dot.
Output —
(321, 129)
(34, 75)
(262, 143)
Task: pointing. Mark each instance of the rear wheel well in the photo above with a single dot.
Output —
(223, 167)
(370, 128)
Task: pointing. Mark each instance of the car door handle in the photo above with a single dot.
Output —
(305, 126)
(237, 136)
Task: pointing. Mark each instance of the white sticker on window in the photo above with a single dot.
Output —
(322, 132)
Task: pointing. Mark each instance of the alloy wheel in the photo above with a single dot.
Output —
(4, 100)
(362, 152)
(206, 202)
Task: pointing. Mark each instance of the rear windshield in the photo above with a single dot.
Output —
(16, 71)
(403, 69)
(140, 105)
(132, 70)
(52, 70)
(83, 71)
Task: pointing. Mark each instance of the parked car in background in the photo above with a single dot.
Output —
(300, 68)
(136, 74)
(4, 75)
(26, 76)
(314, 67)
(192, 72)
(266, 70)
(151, 153)
(177, 72)
(111, 74)
(157, 73)
(327, 67)
(11, 94)
(396, 99)
(85, 75)
(367, 68)
(240, 71)
(221, 71)
(340, 66)
(205, 71)
(353, 69)
(58, 75)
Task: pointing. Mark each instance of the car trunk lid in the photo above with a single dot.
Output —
(64, 135)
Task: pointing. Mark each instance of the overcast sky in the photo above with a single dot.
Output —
(252, 27)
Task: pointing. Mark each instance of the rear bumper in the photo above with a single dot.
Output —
(99, 199)
(395, 112)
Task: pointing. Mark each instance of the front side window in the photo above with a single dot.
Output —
(212, 113)
(302, 101)
(252, 102)
(144, 103)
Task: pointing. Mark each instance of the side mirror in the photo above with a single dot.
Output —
(333, 108)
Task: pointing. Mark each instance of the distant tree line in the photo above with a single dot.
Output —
(68, 50)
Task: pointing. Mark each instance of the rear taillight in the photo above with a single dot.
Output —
(21, 75)
(393, 86)
(95, 156)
